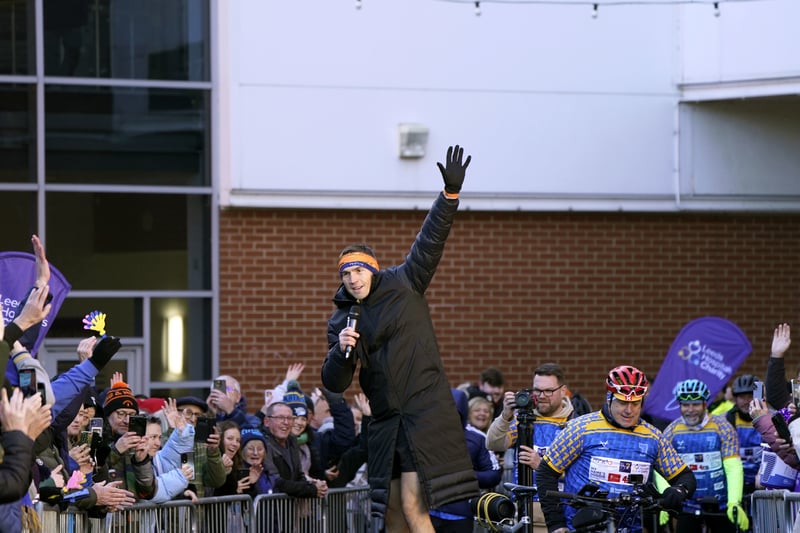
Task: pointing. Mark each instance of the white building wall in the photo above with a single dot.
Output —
(559, 109)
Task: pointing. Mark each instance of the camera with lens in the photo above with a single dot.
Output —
(525, 400)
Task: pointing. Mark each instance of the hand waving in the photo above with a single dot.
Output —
(781, 340)
(453, 171)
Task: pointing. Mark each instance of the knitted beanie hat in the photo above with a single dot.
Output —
(252, 433)
(295, 399)
(119, 396)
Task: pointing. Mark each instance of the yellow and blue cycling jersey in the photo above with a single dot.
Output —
(703, 449)
(749, 448)
(591, 450)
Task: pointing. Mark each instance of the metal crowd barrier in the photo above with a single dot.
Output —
(342, 510)
(774, 511)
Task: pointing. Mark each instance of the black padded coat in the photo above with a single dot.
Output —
(402, 374)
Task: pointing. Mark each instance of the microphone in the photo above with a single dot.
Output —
(352, 321)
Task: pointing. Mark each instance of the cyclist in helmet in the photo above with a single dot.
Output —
(710, 446)
(749, 437)
(606, 447)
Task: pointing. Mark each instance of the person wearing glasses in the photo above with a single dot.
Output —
(209, 471)
(127, 451)
(710, 446)
(283, 455)
(553, 409)
(230, 404)
(605, 447)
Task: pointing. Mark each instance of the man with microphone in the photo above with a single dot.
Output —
(418, 458)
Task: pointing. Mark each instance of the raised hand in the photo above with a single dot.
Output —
(781, 340)
(85, 348)
(175, 419)
(12, 411)
(116, 377)
(294, 371)
(454, 170)
(37, 415)
(362, 403)
(42, 266)
(36, 308)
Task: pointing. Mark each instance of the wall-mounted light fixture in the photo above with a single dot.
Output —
(413, 140)
(174, 330)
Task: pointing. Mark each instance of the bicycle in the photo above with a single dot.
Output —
(599, 513)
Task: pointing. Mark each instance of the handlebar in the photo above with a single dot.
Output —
(645, 502)
(520, 490)
(577, 497)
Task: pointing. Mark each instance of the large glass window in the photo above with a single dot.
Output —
(115, 175)
(126, 136)
(133, 39)
(180, 339)
(19, 221)
(110, 241)
(17, 133)
(16, 37)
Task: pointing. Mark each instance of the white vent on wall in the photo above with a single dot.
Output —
(413, 140)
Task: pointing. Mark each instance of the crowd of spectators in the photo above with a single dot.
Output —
(69, 443)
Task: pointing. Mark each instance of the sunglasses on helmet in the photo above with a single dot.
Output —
(629, 391)
(691, 397)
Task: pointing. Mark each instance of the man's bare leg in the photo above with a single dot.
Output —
(395, 520)
(414, 508)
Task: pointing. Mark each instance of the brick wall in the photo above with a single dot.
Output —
(514, 289)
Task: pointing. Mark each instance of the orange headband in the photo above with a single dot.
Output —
(358, 259)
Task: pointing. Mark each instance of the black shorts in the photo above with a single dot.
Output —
(403, 459)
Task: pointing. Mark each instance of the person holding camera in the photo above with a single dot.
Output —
(126, 449)
(710, 446)
(549, 409)
(606, 448)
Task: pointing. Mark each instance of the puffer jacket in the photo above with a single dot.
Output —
(402, 373)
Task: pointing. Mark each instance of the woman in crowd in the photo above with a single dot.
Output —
(480, 413)
(231, 459)
(254, 464)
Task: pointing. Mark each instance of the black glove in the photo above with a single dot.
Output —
(672, 498)
(51, 495)
(104, 350)
(454, 171)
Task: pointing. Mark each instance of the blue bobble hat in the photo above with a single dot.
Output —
(252, 433)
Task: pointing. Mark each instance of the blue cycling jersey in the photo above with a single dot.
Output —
(703, 448)
(591, 450)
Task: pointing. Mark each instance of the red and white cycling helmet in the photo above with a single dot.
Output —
(627, 383)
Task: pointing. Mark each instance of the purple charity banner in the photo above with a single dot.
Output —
(709, 349)
(17, 276)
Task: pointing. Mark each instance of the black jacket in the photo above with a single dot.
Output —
(17, 461)
(287, 478)
(402, 374)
